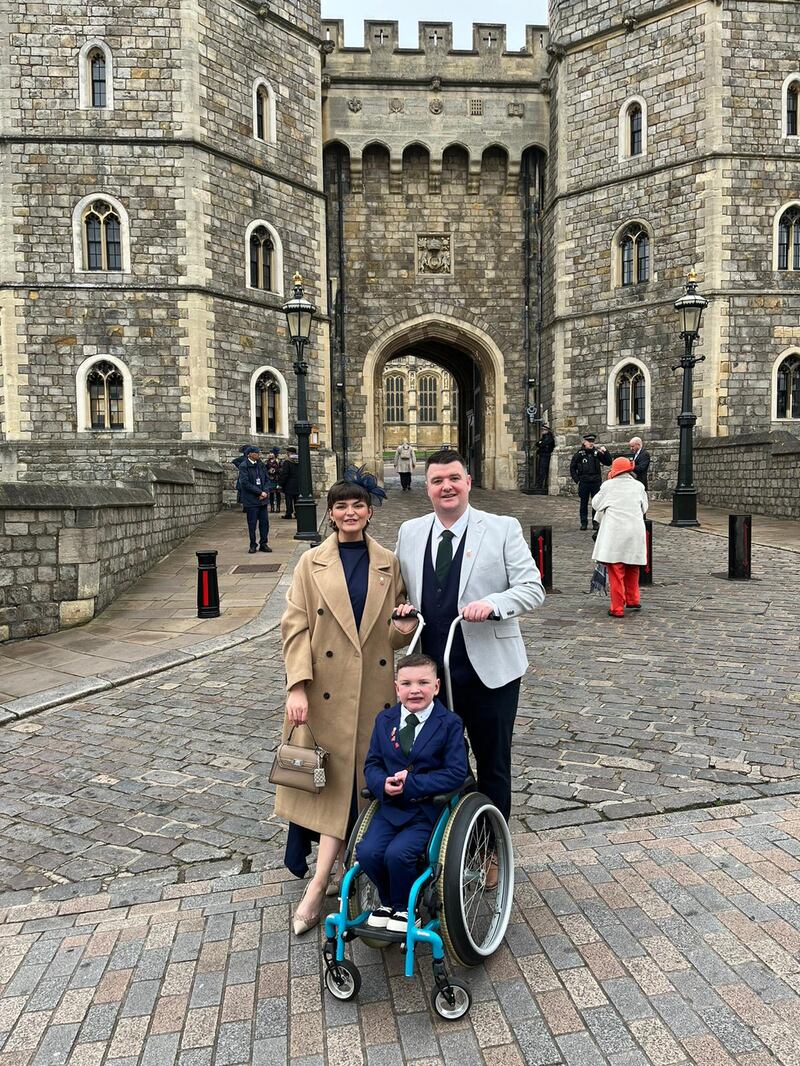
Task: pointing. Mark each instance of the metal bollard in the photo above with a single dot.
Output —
(740, 529)
(542, 552)
(646, 571)
(207, 585)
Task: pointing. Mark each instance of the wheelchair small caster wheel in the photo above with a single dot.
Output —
(461, 1001)
(343, 980)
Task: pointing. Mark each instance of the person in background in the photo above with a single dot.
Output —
(273, 465)
(641, 460)
(255, 498)
(621, 505)
(545, 446)
(404, 462)
(289, 481)
(586, 470)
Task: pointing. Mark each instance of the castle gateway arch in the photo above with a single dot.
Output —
(434, 175)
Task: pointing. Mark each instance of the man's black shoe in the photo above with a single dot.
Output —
(265, 548)
(251, 551)
(584, 527)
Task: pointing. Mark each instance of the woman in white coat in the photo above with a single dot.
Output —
(621, 505)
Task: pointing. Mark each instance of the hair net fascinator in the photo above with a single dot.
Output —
(359, 475)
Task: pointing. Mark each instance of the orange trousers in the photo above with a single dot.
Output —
(623, 586)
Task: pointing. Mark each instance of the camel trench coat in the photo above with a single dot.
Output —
(349, 674)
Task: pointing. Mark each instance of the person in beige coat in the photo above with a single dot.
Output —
(338, 641)
(621, 505)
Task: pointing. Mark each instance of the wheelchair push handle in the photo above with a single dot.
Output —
(412, 647)
(448, 684)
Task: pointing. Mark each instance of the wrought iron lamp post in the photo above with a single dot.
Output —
(690, 307)
(299, 313)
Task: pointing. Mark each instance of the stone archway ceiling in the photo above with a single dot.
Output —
(456, 360)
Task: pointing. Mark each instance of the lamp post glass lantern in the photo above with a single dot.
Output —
(690, 308)
(299, 314)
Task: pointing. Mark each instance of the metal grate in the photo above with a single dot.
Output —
(476, 107)
(257, 568)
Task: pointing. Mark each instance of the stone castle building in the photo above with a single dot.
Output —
(523, 220)
(420, 405)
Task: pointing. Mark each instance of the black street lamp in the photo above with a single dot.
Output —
(299, 313)
(690, 307)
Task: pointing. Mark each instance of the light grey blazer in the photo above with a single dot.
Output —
(497, 567)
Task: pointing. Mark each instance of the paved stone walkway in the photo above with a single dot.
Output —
(146, 914)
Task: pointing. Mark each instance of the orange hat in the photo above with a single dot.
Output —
(621, 466)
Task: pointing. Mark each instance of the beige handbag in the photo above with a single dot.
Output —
(296, 766)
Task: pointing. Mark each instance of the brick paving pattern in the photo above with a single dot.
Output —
(145, 915)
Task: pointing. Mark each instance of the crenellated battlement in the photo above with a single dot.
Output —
(381, 49)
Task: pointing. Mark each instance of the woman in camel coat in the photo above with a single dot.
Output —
(338, 641)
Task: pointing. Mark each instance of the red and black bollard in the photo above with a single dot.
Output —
(207, 585)
(646, 571)
(542, 552)
(740, 530)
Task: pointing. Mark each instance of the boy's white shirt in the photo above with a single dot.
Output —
(422, 715)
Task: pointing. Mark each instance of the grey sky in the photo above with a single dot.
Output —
(462, 13)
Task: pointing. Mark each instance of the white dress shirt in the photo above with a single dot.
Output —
(458, 529)
(422, 715)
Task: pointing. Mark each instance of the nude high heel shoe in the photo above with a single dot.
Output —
(302, 923)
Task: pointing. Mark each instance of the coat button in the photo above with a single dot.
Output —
(320, 610)
(329, 654)
(326, 695)
(386, 706)
(383, 662)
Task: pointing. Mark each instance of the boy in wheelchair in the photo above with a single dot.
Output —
(416, 752)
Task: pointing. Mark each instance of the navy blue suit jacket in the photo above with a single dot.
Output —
(436, 764)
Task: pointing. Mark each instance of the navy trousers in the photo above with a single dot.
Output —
(388, 856)
(587, 489)
(257, 516)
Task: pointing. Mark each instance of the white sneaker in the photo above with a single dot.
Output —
(379, 919)
(398, 923)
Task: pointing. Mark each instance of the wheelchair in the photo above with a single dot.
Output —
(458, 915)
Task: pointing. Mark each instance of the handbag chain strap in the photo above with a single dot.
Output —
(321, 752)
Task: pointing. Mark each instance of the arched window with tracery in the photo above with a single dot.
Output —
(395, 398)
(267, 403)
(95, 76)
(427, 399)
(634, 251)
(631, 394)
(261, 251)
(789, 239)
(633, 128)
(787, 387)
(106, 396)
(102, 237)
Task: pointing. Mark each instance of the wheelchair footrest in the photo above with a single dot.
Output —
(387, 935)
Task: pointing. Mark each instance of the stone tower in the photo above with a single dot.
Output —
(433, 168)
(670, 147)
(161, 180)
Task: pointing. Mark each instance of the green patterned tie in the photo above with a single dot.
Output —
(444, 557)
(406, 734)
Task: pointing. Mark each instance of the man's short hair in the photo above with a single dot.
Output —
(417, 659)
(445, 456)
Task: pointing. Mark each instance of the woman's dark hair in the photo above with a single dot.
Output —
(347, 490)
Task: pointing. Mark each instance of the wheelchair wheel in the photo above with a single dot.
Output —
(474, 918)
(364, 896)
(462, 1000)
(343, 980)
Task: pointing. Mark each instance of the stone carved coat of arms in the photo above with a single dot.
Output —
(433, 254)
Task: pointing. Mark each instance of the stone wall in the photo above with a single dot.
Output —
(68, 550)
(753, 472)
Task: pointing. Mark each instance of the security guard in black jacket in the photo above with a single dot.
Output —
(586, 471)
(254, 494)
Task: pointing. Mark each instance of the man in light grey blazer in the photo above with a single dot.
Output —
(462, 559)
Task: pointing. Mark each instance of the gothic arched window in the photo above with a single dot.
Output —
(634, 130)
(264, 117)
(261, 249)
(97, 75)
(788, 387)
(789, 239)
(395, 399)
(106, 396)
(792, 99)
(427, 399)
(267, 403)
(634, 250)
(102, 237)
(631, 394)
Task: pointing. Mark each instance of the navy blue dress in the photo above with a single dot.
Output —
(355, 563)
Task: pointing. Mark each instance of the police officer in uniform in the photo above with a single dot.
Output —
(586, 471)
(254, 494)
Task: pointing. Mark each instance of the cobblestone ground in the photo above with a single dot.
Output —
(145, 916)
